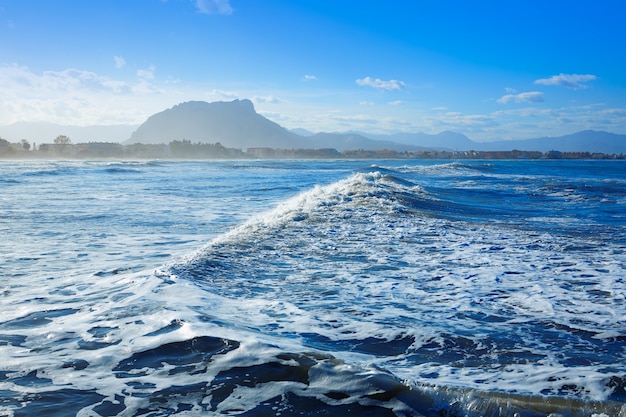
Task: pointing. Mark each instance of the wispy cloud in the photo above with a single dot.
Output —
(461, 122)
(216, 94)
(22, 77)
(73, 96)
(120, 62)
(470, 124)
(528, 97)
(396, 103)
(308, 77)
(147, 74)
(266, 99)
(214, 6)
(573, 81)
(379, 84)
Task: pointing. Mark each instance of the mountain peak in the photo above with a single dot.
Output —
(234, 124)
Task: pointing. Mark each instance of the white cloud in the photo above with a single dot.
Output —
(146, 74)
(462, 121)
(473, 125)
(366, 103)
(308, 77)
(528, 97)
(381, 84)
(573, 81)
(220, 95)
(120, 62)
(16, 78)
(396, 103)
(266, 99)
(214, 6)
(74, 97)
(359, 119)
(614, 112)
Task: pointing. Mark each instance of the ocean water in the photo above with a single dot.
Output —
(313, 288)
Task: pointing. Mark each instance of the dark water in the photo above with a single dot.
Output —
(347, 288)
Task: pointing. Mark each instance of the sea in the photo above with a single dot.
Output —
(313, 288)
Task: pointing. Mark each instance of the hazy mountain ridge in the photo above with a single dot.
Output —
(233, 124)
(446, 140)
(236, 124)
(583, 141)
(353, 141)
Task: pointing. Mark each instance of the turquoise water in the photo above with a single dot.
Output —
(313, 288)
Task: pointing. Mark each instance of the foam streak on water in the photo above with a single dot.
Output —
(321, 288)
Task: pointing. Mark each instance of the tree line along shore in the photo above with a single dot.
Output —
(63, 148)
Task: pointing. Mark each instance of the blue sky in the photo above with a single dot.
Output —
(488, 69)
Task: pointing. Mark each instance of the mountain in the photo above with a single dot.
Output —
(302, 132)
(445, 140)
(584, 141)
(234, 124)
(354, 141)
(44, 132)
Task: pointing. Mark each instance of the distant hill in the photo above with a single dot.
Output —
(584, 141)
(353, 141)
(44, 132)
(302, 132)
(445, 140)
(234, 124)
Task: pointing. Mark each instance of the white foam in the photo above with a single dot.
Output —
(330, 251)
(331, 269)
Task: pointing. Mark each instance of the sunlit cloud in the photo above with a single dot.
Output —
(526, 112)
(214, 6)
(72, 96)
(120, 62)
(266, 99)
(15, 77)
(616, 112)
(379, 84)
(216, 94)
(354, 119)
(146, 74)
(463, 121)
(144, 86)
(572, 81)
(528, 97)
(309, 77)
